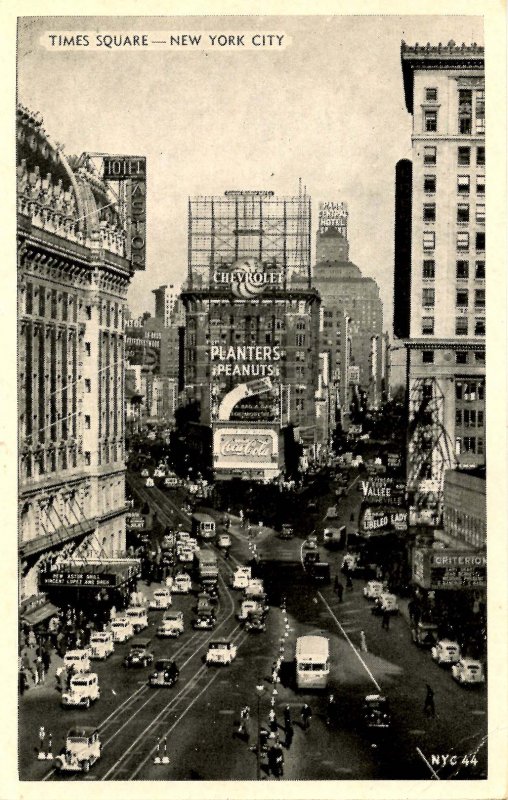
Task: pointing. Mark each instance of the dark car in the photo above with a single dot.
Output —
(255, 623)
(319, 572)
(139, 654)
(376, 712)
(165, 673)
(204, 621)
(310, 558)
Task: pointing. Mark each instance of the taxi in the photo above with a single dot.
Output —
(101, 644)
(373, 590)
(138, 616)
(182, 583)
(121, 629)
(250, 607)
(446, 652)
(185, 553)
(165, 673)
(468, 671)
(171, 482)
(386, 603)
(224, 541)
(221, 652)
(77, 660)
(82, 692)
(171, 625)
(254, 589)
(81, 750)
(241, 577)
(161, 598)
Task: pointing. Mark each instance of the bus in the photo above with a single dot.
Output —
(203, 525)
(206, 566)
(312, 662)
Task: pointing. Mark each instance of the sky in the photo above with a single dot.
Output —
(328, 108)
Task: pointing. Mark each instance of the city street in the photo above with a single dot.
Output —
(198, 719)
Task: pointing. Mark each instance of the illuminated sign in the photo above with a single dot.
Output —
(135, 521)
(246, 361)
(257, 400)
(373, 520)
(133, 170)
(248, 277)
(449, 569)
(383, 490)
(333, 215)
(244, 447)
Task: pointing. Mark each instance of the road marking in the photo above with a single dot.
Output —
(434, 773)
(478, 712)
(226, 711)
(417, 732)
(367, 670)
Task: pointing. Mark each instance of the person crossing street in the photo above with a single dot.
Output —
(306, 715)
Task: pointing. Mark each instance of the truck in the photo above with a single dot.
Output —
(334, 537)
(206, 566)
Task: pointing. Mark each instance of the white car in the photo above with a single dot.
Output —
(101, 644)
(446, 652)
(182, 583)
(221, 651)
(241, 578)
(82, 749)
(83, 691)
(138, 616)
(149, 483)
(386, 603)
(185, 554)
(171, 625)
(144, 473)
(224, 540)
(171, 482)
(161, 599)
(468, 671)
(78, 660)
(122, 629)
(372, 590)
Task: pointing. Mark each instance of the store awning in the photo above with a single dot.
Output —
(39, 614)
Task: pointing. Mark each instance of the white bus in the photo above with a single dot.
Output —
(312, 662)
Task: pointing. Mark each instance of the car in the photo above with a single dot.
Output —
(166, 673)
(333, 537)
(171, 625)
(122, 629)
(373, 590)
(310, 558)
(319, 571)
(254, 588)
(149, 483)
(185, 554)
(376, 712)
(159, 473)
(139, 654)
(204, 621)
(310, 543)
(221, 651)
(424, 634)
(446, 652)
(161, 598)
(77, 660)
(171, 482)
(138, 616)
(182, 583)
(350, 562)
(224, 541)
(241, 577)
(101, 644)
(82, 749)
(257, 606)
(82, 692)
(468, 671)
(255, 623)
(386, 603)
(144, 473)
(203, 604)
(287, 532)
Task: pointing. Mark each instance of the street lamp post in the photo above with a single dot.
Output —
(259, 692)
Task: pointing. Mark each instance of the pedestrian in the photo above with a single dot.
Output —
(287, 718)
(429, 707)
(349, 582)
(272, 719)
(39, 666)
(352, 517)
(340, 591)
(336, 584)
(306, 715)
(32, 641)
(279, 760)
(244, 720)
(331, 710)
(363, 642)
(46, 660)
(23, 682)
(68, 677)
(290, 732)
(386, 621)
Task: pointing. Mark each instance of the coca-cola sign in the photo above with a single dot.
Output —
(246, 446)
(242, 447)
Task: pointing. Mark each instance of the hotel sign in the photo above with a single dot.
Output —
(333, 215)
(133, 170)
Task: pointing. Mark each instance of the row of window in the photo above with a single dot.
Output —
(469, 417)
(462, 242)
(461, 357)
(64, 306)
(463, 156)
(463, 213)
(462, 298)
(470, 118)
(429, 269)
(470, 444)
(469, 391)
(461, 326)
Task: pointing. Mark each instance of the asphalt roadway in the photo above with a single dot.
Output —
(196, 722)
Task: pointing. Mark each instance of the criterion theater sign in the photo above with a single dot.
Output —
(248, 278)
(133, 170)
(449, 569)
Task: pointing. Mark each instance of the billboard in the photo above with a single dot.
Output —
(449, 569)
(132, 170)
(381, 520)
(143, 348)
(241, 450)
(248, 277)
(384, 491)
(333, 215)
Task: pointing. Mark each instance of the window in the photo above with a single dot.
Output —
(479, 326)
(465, 110)
(88, 385)
(479, 298)
(479, 357)
(429, 268)
(461, 326)
(429, 212)
(88, 312)
(479, 419)
(480, 184)
(429, 184)
(462, 298)
(428, 356)
(431, 95)
(479, 445)
(461, 357)
(42, 301)
(480, 156)
(87, 421)
(479, 271)
(88, 348)
(469, 443)
(462, 269)
(463, 212)
(463, 183)
(300, 339)
(430, 155)
(430, 121)
(462, 241)
(480, 111)
(428, 297)
(464, 156)
(87, 458)
(458, 416)
(428, 326)
(480, 241)
(429, 240)
(29, 298)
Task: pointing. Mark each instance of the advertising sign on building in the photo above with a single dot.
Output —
(378, 520)
(424, 501)
(133, 170)
(385, 491)
(248, 277)
(245, 448)
(143, 348)
(449, 569)
(393, 460)
(354, 375)
(135, 521)
(333, 215)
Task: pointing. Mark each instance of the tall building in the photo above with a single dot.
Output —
(444, 235)
(351, 331)
(251, 331)
(73, 276)
(168, 307)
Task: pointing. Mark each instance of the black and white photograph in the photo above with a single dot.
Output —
(252, 410)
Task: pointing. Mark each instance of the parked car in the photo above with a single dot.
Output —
(139, 654)
(468, 671)
(165, 673)
(77, 660)
(122, 629)
(373, 589)
(101, 644)
(221, 651)
(82, 692)
(82, 749)
(161, 599)
(446, 652)
(171, 625)
(424, 634)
